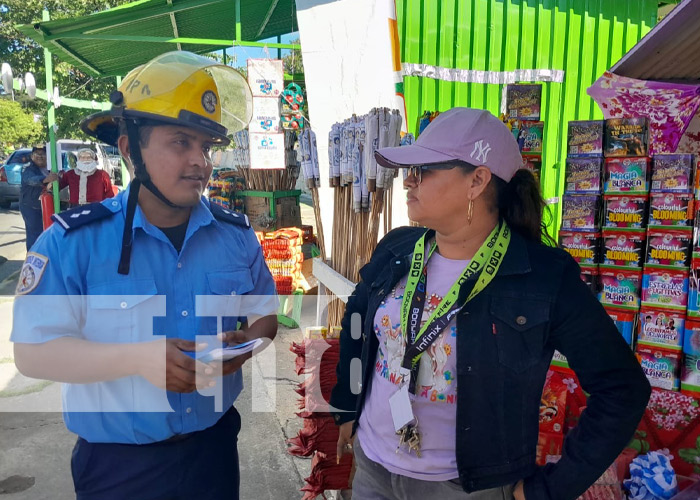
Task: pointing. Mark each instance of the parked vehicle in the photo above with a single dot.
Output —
(11, 176)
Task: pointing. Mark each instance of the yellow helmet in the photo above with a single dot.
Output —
(178, 88)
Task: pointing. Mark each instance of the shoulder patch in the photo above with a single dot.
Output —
(31, 273)
(80, 216)
(226, 215)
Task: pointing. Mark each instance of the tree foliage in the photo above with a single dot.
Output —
(17, 126)
(23, 55)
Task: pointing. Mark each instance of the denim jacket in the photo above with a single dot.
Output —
(506, 336)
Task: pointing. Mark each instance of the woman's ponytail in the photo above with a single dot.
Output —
(521, 205)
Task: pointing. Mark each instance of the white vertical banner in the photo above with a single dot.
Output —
(349, 68)
(266, 77)
(266, 80)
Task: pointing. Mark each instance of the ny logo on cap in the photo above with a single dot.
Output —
(481, 151)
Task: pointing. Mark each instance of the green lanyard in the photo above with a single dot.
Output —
(484, 266)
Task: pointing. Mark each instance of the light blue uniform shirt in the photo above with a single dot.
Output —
(73, 289)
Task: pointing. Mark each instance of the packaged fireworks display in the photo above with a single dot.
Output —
(585, 138)
(665, 288)
(626, 137)
(581, 212)
(661, 328)
(661, 366)
(690, 373)
(669, 247)
(623, 248)
(620, 288)
(693, 310)
(672, 174)
(583, 247)
(523, 102)
(533, 163)
(625, 211)
(626, 175)
(529, 137)
(583, 175)
(591, 277)
(626, 322)
(671, 209)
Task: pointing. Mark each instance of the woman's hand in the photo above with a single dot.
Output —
(519, 492)
(345, 439)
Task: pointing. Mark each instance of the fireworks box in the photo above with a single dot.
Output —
(583, 175)
(661, 328)
(626, 176)
(626, 137)
(623, 248)
(583, 247)
(671, 209)
(581, 213)
(585, 138)
(668, 247)
(672, 174)
(523, 102)
(625, 212)
(619, 288)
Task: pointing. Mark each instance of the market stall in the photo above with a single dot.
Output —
(630, 218)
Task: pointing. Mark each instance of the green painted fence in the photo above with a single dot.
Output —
(583, 38)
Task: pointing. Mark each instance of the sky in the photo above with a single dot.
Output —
(242, 54)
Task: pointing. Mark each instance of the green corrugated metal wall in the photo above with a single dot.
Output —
(583, 38)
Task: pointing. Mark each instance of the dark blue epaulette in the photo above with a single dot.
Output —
(81, 216)
(226, 215)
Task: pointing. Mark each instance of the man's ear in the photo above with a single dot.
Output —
(123, 145)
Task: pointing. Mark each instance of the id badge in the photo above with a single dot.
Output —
(401, 411)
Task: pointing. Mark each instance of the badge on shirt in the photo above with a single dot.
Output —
(32, 271)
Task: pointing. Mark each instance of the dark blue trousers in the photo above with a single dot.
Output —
(33, 225)
(202, 466)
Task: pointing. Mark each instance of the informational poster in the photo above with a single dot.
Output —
(266, 77)
(266, 115)
(266, 151)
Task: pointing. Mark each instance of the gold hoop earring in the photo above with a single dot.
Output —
(470, 212)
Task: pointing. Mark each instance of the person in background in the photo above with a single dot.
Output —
(459, 320)
(86, 183)
(35, 179)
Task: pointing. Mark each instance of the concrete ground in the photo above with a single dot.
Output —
(35, 446)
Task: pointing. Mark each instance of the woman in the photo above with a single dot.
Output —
(484, 304)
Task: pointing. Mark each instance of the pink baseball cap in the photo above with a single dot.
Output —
(473, 136)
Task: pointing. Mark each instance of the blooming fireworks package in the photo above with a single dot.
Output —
(583, 175)
(661, 366)
(523, 102)
(581, 212)
(661, 328)
(620, 288)
(672, 174)
(623, 248)
(585, 138)
(669, 247)
(625, 321)
(671, 209)
(583, 247)
(626, 175)
(625, 212)
(690, 374)
(626, 137)
(665, 288)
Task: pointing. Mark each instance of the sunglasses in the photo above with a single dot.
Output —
(417, 170)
